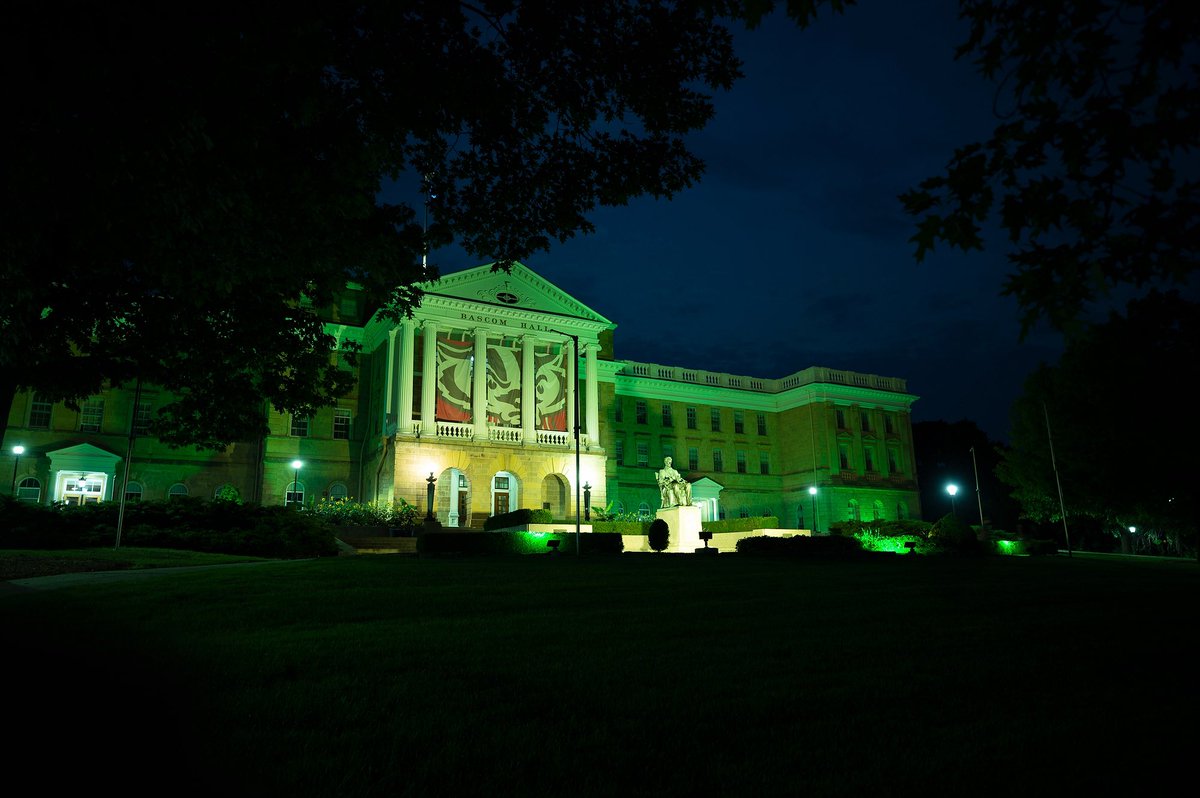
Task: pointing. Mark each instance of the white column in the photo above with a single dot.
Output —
(528, 391)
(389, 386)
(429, 380)
(592, 396)
(407, 336)
(572, 368)
(479, 386)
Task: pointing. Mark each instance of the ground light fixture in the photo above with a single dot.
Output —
(17, 452)
(296, 466)
(952, 489)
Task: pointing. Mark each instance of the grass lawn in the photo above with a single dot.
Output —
(638, 674)
(24, 564)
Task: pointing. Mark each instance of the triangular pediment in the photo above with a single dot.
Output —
(518, 289)
(82, 457)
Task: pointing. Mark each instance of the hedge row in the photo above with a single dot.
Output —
(741, 524)
(518, 518)
(492, 543)
(187, 523)
(801, 546)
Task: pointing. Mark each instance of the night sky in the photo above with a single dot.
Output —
(793, 250)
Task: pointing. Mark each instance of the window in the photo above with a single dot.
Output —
(299, 426)
(141, 419)
(91, 415)
(338, 492)
(643, 453)
(177, 491)
(29, 490)
(739, 422)
(852, 512)
(668, 421)
(714, 419)
(893, 461)
(877, 511)
(902, 511)
(889, 426)
(619, 410)
(619, 506)
(865, 421)
(643, 511)
(869, 457)
(620, 453)
(800, 517)
(640, 411)
(133, 492)
(693, 459)
(341, 424)
(762, 424)
(743, 512)
(39, 413)
(294, 495)
(501, 483)
(764, 463)
(718, 460)
(741, 462)
(841, 418)
(691, 418)
(844, 457)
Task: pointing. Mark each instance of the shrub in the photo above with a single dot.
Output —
(191, 523)
(621, 527)
(400, 515)
(659, 535)
(954, 536)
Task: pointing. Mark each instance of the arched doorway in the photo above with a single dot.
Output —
(504, 493)
(555, 495)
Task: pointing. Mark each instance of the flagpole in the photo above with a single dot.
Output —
(1061, 507)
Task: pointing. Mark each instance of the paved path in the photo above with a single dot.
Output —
(105, 577)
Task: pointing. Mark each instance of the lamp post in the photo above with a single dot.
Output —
(978, 500)
(17, 452)
(952, 489)
(812, 491)
(296, 466)
(587, 501)
(429, 496)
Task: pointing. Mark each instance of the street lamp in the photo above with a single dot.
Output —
(978, 499)
(296, 465)
(952, 489)
(587, 501)
(812, 491)
(17, 452)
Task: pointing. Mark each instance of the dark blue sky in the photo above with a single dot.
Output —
(793, 250)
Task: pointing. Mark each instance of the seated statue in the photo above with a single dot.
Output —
(674, 489)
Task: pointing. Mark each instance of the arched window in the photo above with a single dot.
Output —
(177, 491)
(643, 510)
(878, 510)
(338, 491)
(294, 495)
(30, 490)
(902, 511)
(619, 507)
(852, 511)
(800, 516)
(133, 492)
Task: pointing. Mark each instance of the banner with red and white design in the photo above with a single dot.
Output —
(454, 360)
(550, 386)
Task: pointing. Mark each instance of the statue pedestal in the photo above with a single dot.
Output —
(684, 523)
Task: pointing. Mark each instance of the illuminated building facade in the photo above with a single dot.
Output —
(481, 390)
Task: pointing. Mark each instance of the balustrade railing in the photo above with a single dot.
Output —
(505, 434)
(550, 437)
(452, 429)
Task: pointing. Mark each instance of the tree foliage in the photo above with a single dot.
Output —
(184, 185)
(1125, 457)
(1092, 169)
